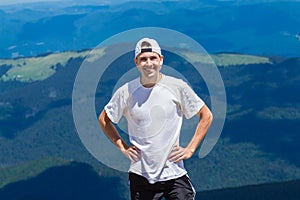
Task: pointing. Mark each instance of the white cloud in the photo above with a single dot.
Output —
(11, 47)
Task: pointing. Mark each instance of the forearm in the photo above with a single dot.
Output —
(178, 153)
(111, 132)
(201, 129)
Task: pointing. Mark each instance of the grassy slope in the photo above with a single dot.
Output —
(39, 68)
(27, 170)
(228, 59)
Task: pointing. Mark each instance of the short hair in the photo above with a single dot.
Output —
(145, 44)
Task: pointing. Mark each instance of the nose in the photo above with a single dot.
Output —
(148, 61)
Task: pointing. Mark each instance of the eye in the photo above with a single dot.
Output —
(153, 58)
(143, 59)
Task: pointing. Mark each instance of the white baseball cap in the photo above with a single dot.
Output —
(147, 45)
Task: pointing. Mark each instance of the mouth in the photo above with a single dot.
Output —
(149, 69)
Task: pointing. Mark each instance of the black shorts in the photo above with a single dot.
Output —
(179, 188)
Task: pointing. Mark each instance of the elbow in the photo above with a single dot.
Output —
(210, 117)
(206, 115)
(102, 119)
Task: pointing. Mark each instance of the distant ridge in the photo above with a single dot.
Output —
(261, 28)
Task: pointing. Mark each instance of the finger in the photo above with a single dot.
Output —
(135, 151)
(136, 148)
(135, 154)
(173, 153)
(176, 158)
(132, 157)
(176, 148)
(176, 155)
(180, 156)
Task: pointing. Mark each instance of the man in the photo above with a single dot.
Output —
(154, 105)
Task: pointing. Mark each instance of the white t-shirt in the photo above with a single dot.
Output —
(154, 117)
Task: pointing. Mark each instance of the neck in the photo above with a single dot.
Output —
(150, 81)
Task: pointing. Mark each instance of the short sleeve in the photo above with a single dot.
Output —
(191, 103)
(117, 104)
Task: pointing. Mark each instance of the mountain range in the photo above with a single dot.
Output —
(220, 26)
(255, 47)
(258, 144)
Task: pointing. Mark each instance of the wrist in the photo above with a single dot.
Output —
(122, 145)
(191, 150)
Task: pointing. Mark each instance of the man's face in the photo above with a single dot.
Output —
(149, 63)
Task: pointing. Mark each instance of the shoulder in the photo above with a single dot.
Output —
(173, 82)
(175, 85)
(127, 87)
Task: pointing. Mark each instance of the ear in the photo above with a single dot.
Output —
(135, 61)
(161, 60)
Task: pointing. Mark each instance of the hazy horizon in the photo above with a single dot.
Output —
(12, 2)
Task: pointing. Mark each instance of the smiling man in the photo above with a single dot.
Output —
(154, 105)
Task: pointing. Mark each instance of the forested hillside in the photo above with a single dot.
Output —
(258, 143)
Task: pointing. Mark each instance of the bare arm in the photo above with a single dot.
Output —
(178, 153)
(111, 132)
